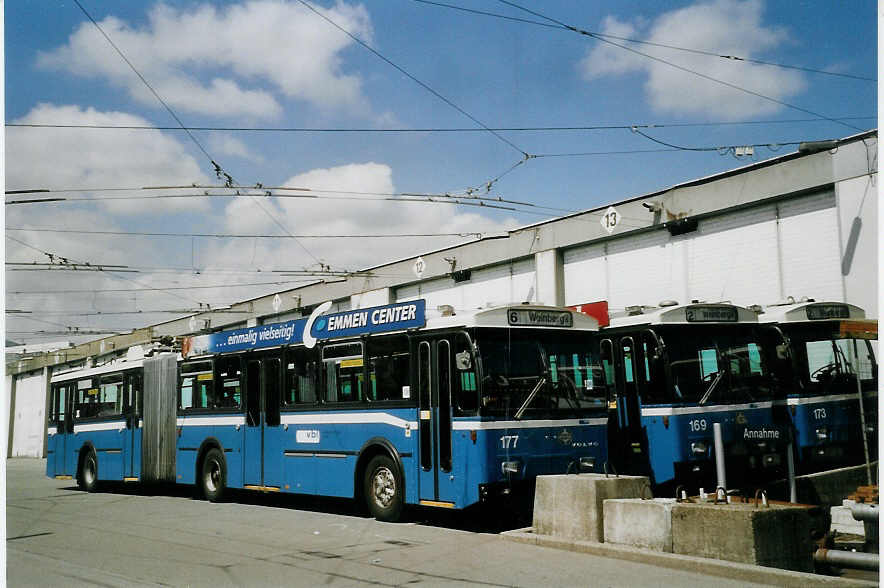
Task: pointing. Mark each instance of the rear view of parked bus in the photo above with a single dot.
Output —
(833, 396)
(94, 430)
(679, 370)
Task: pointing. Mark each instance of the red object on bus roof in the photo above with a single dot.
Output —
(597, 310)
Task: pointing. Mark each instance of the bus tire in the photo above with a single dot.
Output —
(214, 475)
(384, 489)
(87, 477)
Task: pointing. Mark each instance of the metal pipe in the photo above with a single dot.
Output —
(719, 456)
(865, 512)
(862, 412)
(790, 462)
(847, 559)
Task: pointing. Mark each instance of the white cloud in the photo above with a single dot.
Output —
(343, 214)
(728, 27)
(66, 158)
(224, 144)
(282, 44)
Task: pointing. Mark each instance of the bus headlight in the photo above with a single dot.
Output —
(699, 448)
(822, 433)
(511, 467)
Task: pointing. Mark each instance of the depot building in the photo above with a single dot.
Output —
(802, 224)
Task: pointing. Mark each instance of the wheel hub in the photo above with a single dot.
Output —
(383, 486)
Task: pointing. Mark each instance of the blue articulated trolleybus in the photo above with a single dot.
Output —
(680, 369)
(833, 397)
(387, 404)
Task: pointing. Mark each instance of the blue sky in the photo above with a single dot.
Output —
(280, 65)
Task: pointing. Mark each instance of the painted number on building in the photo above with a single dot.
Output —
(509, 441)
(698, 425)
(610, 219)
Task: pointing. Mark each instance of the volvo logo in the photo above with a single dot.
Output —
(564, 437)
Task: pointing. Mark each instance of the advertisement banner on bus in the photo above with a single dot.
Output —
(318, 326)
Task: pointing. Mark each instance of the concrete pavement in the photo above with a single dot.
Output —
(57, 535)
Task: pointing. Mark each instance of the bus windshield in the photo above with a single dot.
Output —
(528, 373)
(721, 365)
(828, 363)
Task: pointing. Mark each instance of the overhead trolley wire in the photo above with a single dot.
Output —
(679, 67)
(562, 128)
(219, 171)
(650, 43)
(422, 84)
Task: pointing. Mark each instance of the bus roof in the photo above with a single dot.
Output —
(687, 314)
(810, 312)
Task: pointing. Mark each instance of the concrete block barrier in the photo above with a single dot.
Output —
(639, 523)
(571, 506)
(774, 536)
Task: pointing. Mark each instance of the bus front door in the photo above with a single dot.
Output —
(132, 434)
(436, 480)
(633, 445)
(262, 442)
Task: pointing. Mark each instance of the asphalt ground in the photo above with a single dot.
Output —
(127, 535)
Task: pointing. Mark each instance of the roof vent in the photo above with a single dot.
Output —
(665, 303)
(446, 310)
(634, 310)
(808, 147)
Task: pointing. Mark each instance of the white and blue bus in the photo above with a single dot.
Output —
(386, 404)
(678, 370)
(834, 382)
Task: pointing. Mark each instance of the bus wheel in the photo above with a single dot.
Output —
(88, 477)
(383, 489)
(214, 478)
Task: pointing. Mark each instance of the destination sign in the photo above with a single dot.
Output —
(527, 317)
(821, 312)
(711, 314)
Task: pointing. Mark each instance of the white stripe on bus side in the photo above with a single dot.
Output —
(671, 410)
(530, 424)
(819, 399)
(109, 426)
(345, 418)
(52, 431)
(209, 421)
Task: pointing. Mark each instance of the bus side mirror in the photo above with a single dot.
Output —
(782, 351)
(462, 361)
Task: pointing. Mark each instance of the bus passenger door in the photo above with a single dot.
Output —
(262, 445)
(253, 442)
(64, 426)
(437, 483)
(132, 385)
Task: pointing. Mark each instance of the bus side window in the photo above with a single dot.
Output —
(110, 395)
(86, 400)
(228, 385)
(194, 385)
(300, 378)
(389, 365)
(344, 372)
(465, 394)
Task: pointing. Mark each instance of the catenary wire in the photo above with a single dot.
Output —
(679, 67)
(650, 43)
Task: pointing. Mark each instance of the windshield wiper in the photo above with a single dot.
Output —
(711, 387)
(528, 400)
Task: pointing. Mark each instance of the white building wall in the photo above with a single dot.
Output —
(752, 256)
(858, 219)
(29, 423)
(501, 284)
